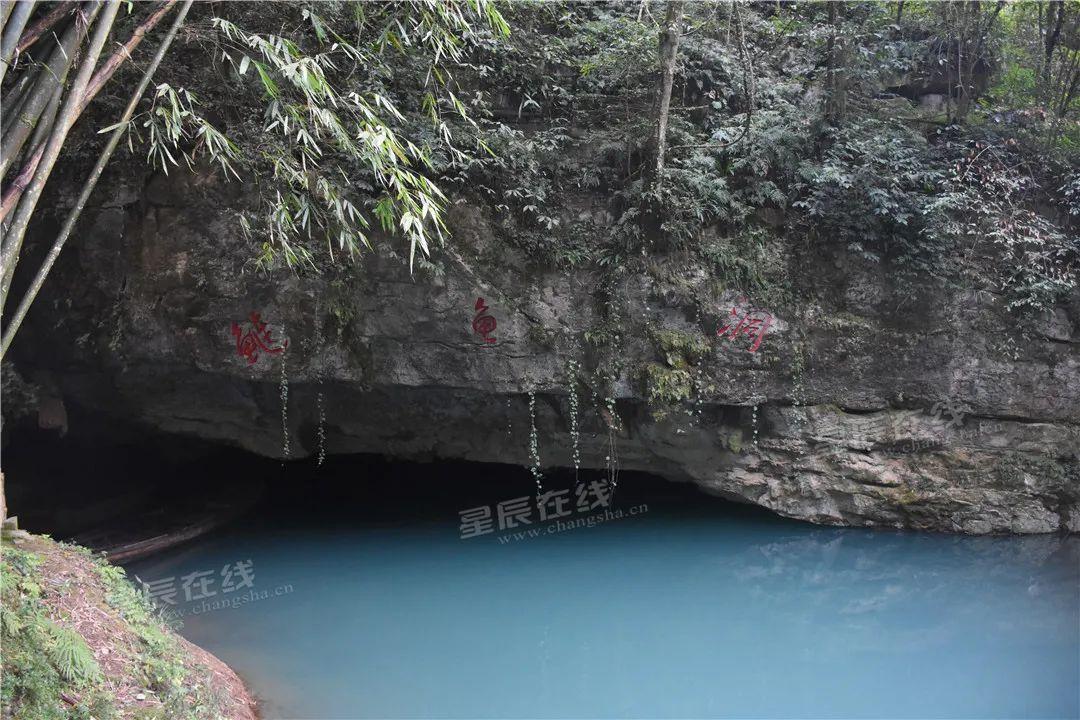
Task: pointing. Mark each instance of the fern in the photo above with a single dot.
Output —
(71, 656)
(10, 624)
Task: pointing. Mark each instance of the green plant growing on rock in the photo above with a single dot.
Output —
(544, 337)
(674, 382)
(666, 387)
(71, 657)
(906, 495)
(680, 350)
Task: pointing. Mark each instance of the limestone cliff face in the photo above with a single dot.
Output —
(873, 406)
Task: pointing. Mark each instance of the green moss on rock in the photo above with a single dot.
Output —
(680, 350)
(666, 387)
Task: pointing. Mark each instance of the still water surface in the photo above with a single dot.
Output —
(375, 608)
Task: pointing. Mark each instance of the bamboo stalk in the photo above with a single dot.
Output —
(10, 256)
(41, 132)
(5, 11)
(15, 98)
(12, 32)
(91, 182)
(50, 77)
(33, 33)
(102, 76)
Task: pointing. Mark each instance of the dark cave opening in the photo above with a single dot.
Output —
(111, 490)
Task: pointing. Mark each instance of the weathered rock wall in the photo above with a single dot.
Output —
(137, 323)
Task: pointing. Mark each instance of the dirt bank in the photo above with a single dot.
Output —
(80, 641)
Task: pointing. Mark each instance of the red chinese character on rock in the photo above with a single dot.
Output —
(483, 324)
(255, 340)
(752, 322)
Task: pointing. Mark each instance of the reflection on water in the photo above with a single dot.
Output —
(696, 609)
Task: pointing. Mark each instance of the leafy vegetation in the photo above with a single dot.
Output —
(332, 155)
(938, 141)
(41, 659)
(50, 671)
(921, 136)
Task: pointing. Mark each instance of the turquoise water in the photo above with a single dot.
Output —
(695, 608)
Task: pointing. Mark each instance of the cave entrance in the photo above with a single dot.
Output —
(152, 491)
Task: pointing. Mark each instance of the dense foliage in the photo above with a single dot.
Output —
(309, 95)
(938, 139)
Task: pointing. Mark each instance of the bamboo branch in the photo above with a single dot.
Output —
(12, 31)
(91, 182)
(43, 24)
(10, 256)
(122, 53)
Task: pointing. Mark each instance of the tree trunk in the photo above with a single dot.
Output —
(1052, 35)
(832, 85)
(1070, 83)
(669, 49)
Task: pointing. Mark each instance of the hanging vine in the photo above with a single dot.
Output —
(534, 446)
(319, 375)
(612, 458)
(609, 415)
(509, 421)
(283, 388)
(798, 389)
(572, 371)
